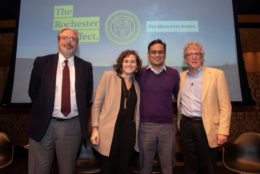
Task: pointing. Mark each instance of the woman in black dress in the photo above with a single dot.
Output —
(115, 114)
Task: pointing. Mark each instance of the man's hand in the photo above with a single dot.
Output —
(94, 136)
(221, 139)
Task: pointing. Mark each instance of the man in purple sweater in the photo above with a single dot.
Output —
(156, 130)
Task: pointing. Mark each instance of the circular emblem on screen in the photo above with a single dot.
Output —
(122, 27)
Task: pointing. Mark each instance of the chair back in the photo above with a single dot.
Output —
(6, 150)
(243, 156)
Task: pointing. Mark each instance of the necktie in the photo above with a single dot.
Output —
(65, 96)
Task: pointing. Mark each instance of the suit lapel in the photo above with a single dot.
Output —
(182, 79)
(54, 63)
(77, 72)
(51, 77)
(205, 82)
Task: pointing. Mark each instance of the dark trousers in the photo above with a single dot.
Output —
(160, 138)
(121, 150)
(62, 137)
(198, 157)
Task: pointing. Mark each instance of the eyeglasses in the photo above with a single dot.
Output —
(66, 38)
(193, 54)
(154, 52)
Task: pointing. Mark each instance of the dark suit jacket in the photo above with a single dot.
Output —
(42, 92)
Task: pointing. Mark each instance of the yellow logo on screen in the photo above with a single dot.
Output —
(122, 27)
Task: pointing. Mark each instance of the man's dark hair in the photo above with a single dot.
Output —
(157, 41)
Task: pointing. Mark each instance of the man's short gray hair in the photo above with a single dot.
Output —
(71, 29)
(194, 45)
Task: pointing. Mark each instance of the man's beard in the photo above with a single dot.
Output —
(68, 52)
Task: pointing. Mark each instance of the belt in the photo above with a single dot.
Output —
(62, 119)
(194, 119)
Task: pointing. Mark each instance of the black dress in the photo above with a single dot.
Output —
(124, 135)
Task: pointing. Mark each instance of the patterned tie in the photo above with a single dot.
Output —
(65, 96)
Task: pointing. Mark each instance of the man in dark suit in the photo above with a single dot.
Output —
(60, 89)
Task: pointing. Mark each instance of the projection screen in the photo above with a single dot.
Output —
(108, 27)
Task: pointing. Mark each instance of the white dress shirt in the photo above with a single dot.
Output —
(156, 71)
(58, 89)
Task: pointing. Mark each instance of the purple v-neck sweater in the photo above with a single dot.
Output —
(156, 95)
